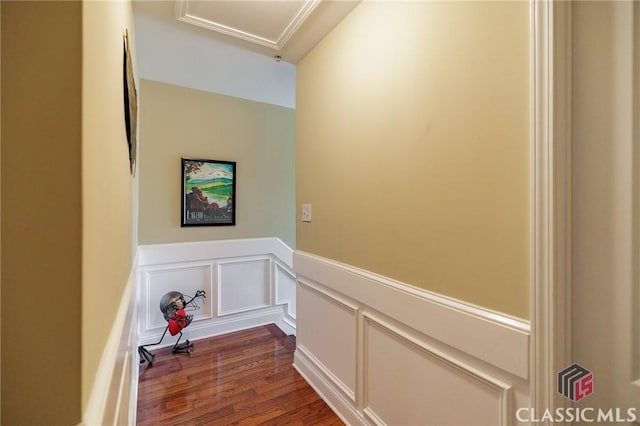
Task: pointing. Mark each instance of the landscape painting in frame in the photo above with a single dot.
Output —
(208, 192)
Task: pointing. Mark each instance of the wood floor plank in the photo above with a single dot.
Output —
(242, 378)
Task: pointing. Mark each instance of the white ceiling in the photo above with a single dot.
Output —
(228, 47)
(268, 24)
(285, 28)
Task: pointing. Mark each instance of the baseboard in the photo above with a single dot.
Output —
(286, 325)
(314, 375)
(237, 322)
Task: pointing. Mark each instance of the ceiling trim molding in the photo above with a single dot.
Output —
(296, 22)
(182, 14)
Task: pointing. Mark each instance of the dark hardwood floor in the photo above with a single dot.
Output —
(241, 378)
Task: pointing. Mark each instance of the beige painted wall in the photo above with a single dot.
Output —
(67, 249)
(0, 213)
(178, 122)
(412, 145)
(107, 200)
(41, 232)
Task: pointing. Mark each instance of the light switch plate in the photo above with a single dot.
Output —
(306, 212)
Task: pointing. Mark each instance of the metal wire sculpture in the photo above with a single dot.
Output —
(174, 309)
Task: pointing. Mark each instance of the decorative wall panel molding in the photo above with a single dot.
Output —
(338, 324)
(243, 285)
(506, 340)
(186, 278)
(285, 294)
(242, 279)
(393, 358)
(364, 338)
(113, 399)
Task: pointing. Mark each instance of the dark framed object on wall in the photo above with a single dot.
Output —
(208, 192)
(130, 103)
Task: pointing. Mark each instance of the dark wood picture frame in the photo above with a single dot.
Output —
(130, 103)
(208, 192)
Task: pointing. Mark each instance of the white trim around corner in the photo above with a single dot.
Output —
(551, 83)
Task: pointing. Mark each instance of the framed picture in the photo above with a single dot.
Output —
(130, 103)
(208, 192)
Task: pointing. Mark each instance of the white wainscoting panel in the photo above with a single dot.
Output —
(285, 288)
(381, 352)
(185, 278)
(243, 285)
(425, 383)
(327, 317)
(285, 294)
(114, 394)
(247, 283)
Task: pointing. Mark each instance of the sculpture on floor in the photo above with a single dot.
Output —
(173, 307)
